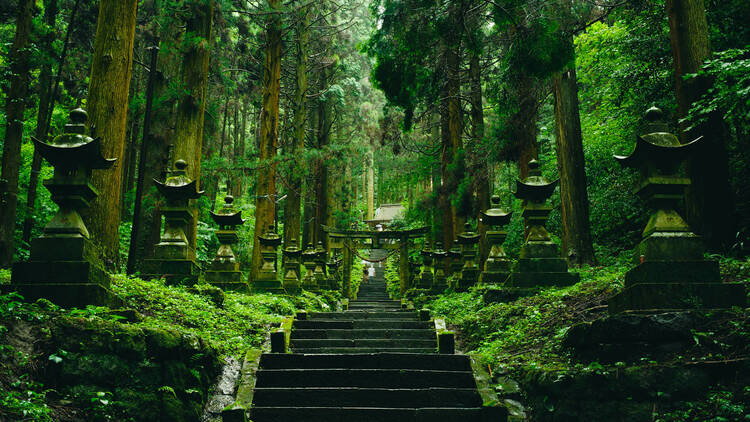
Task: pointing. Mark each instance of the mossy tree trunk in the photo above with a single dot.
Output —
(265, 202)
(15, 106)
(192, 103)
(709, 203)
(577, 245)
(43, 113)
(479, 168)
(292, 206)
(322, 193)
(108, 110)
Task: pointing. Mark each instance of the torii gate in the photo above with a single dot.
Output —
(349, 241)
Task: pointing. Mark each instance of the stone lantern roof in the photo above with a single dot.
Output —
(227, 215)
(73, 149)
(496, 216)
(535, 187)
(178, 185)
(657, 147)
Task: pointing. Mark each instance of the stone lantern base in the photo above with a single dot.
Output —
(226, 276)
(671, 274)
(63, 270)
(174, 271)
(469, 278)
(267, 283)
(540, 265)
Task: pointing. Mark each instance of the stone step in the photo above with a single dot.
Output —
(364, 334)
(367, 397)
(384, 303)
(359, 350)
(366, 361)
(353, 315)
(380, 343)
(370, 414)
(369, 378)
(363, 324)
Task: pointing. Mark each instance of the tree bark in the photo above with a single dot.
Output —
(370, 183)
(137, 232)
(192, 104)
(14, 109)
(709, 202)
(479, 163)
(292, 211)
(577, 245)
(322, 193)
(43, 114)
(108, 112)
(265, 202)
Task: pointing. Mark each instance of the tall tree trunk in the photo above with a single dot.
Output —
(192, 105)
(15, 107)
(265, 202)
(576, 228)
(322, 199)
(292, 212)
(43, 114)
(108, 112)
(155, 156)
(143, 158)
(709, 201)
(523, 123)
(479, 163)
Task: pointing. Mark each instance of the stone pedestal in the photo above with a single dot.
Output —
(309, 282)
(426, 278)
(267, 280)
(292, 274)
(539, 264)
(670, 271)
(440, 281)
(497, 266)
(174, 254)
(64, 266)
(454, 265)
(319, 270)
(224, 271)
(334, 276)
(470, 270)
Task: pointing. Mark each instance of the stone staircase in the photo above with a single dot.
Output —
(374, 362)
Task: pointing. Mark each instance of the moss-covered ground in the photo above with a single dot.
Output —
(153, 359)
(525, 342)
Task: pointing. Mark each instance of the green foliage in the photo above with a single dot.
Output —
(719, 405)
(528, 330)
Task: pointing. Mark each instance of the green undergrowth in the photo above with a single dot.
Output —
(231, 323)
(525, 340)
(526, 331)
(155, 356)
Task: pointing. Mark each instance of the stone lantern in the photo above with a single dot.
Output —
(455, 262)
(292, 273)
(670, 271)
(309, 282)
(224, 270)
(497, 266)
(540, 263)
(319, 271)
(174, 255)
(267, 280)
(414, 267)
(334, 277)
(64, 265)
(470, 270)
(426, 278)
(440, 258)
